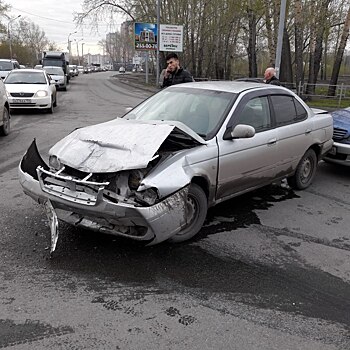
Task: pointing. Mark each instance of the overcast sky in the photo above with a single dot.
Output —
(55, 18)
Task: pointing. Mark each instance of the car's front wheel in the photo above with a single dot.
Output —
(50, 110)
(5, 127)
(196, 208)
(305, 171)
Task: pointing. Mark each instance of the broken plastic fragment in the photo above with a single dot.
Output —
(53, 222)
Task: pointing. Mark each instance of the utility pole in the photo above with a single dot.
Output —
(280, 38)
(69, 46)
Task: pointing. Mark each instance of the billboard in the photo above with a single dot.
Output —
(145, 36)
(170, 37)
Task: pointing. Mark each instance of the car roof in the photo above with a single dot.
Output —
(229, 86)
(27, 70)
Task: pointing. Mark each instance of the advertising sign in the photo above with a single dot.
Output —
(146, 36)
(170, 38)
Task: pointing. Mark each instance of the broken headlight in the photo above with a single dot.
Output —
(55, 163)
(135, 178)
(148, 197)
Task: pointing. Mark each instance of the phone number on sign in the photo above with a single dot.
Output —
(142, 46)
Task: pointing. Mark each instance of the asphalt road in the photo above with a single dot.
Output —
(269, 270)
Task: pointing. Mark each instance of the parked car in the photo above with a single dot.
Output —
(340, 152)
(5, 117)
(6, 66)
(57, 74)
(122, 70)
(31, 89)
(151, 175)
(80, 69)
(73, 70)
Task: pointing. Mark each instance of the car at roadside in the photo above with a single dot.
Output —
(340, 152)
(122, 70)
(57, 74)
(31, 89)
(5, 116)
(151, 175)
(6, 66)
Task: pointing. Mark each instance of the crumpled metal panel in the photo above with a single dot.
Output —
(117, 145)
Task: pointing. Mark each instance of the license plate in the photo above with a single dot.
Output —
(333, 150)
(21, 100)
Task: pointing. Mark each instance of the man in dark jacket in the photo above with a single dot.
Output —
(174, 73)
(270, 76)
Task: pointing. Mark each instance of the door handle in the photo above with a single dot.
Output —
(272, 141)
(307, 131)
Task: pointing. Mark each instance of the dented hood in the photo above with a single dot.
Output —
(121, 144)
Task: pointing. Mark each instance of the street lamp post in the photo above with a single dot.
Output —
(82, 53)
(9, 34)
(77, 41)
(69, 50)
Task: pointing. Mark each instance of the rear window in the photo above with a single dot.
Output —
(287, 110)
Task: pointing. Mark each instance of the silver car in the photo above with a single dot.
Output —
(4, 111)
(151, 175)
(57, 74)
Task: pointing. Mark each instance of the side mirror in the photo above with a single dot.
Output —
(240, 131)
(128, 109)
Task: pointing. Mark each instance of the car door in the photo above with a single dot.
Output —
(248, 162)
(294, 131)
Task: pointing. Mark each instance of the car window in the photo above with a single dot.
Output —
(6, 65)
(256, 113)
(287, 110)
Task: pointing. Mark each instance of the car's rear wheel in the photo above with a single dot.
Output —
(197, 207)
(305, 171)
(55, 103)
(5, 127)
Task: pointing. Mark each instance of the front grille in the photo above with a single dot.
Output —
(22, 94)
(339, 134)
(23, 104)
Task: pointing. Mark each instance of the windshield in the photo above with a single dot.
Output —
(18, 77)
(6, 66)
(53, 62)
(201, 110)
(54, 70)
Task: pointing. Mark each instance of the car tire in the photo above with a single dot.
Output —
(5, 128)
(50, 110)
(305, 171)
(197, 207)
(55, 102)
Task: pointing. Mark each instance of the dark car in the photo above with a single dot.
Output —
(340, 152)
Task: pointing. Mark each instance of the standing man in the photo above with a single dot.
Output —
(270, 76)
(174, 73)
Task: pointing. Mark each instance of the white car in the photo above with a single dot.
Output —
(4, 111)
(31, 89)
(6, 67)
(57, 74)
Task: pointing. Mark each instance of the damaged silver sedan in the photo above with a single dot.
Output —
(151, 175)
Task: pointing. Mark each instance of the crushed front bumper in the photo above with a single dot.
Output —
(339, 154)
(82, 203)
